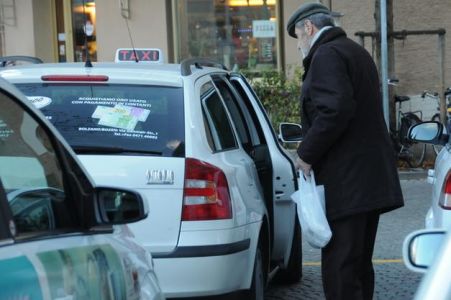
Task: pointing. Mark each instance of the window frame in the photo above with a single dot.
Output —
(211, 129)
(250, 121)
(248, 110)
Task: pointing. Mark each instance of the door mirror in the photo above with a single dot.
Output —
(426, 132)
(119, 206)
(421, 247)
(290, 132)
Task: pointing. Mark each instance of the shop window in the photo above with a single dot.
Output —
(241, 34)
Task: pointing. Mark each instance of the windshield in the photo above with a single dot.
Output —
(114, 119)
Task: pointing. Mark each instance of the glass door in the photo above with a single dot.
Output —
(76, 30)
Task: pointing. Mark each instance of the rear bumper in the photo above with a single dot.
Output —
(207, 250)
(208, 262)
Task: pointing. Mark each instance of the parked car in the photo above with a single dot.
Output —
(57, 239)
(196, 141)
(439, 214)
(429, 251)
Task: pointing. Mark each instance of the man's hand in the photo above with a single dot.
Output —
(303, 166)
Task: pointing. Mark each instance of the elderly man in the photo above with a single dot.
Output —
(346, 143)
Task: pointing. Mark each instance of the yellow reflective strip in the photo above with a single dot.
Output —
(375, 261)
(387, 261)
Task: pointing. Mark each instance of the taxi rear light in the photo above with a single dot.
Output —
(206, 192)
(445, 201)
(98, 78)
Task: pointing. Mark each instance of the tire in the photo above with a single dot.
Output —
(257, 289)
(293, 271)
(414, 154)
(437, 148)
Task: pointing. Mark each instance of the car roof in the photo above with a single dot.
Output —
(133, 73)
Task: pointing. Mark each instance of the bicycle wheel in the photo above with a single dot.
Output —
(437, 148)
(414, 154)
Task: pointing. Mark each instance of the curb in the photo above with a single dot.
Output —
(412, 174)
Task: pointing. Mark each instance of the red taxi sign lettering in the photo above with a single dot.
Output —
(141, 55)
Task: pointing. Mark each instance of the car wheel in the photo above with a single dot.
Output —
(293, 272)
(257, 290)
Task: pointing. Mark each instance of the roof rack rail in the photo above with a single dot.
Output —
(198, 63)
(5, 59)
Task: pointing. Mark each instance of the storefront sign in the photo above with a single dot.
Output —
(263, 29)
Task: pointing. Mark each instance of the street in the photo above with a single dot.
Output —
(393, 279)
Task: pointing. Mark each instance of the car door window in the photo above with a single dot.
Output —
(235, 113)
(30, 173)
(219, 128)
(254, 123)
(248, 131)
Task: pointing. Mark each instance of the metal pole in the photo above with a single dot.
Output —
(384, 59)
(443, 104)
(362, 41)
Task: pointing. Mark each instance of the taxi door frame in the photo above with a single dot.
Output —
(284, 208)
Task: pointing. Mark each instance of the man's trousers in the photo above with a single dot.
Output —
(346, 262)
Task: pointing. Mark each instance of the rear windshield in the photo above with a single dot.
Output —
(114, 119)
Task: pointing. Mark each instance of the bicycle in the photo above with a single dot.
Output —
(436, 116)
(411, 152)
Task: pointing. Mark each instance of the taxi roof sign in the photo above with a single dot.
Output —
(141, 55)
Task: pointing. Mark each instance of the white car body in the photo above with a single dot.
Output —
(196, 257)
(438, 216)
(429, 251)
(40, 257)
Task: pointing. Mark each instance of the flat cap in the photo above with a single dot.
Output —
(304, 11)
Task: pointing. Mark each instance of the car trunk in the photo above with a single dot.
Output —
(151, 176)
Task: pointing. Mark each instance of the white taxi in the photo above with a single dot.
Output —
(194, 138)
(56, 235)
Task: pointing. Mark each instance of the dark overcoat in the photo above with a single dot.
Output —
(345, 136)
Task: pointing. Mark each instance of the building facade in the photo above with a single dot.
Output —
(242, 34)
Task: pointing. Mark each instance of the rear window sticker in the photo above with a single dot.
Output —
(140, 113)
(39, 101)
(100, 111)
(120, 116)
(118, 120)
(113, 101)
(5, 131)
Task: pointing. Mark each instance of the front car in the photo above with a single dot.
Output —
(52, 243)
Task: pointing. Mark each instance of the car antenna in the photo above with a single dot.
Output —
(131, 39)
(88, 63)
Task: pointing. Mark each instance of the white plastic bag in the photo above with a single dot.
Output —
(311, 211)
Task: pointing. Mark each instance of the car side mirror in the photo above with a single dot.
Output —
(290, 132)
(430, 132)
(421, 247)
(119, 206)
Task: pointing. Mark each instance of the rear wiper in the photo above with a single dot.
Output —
(80, 149)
